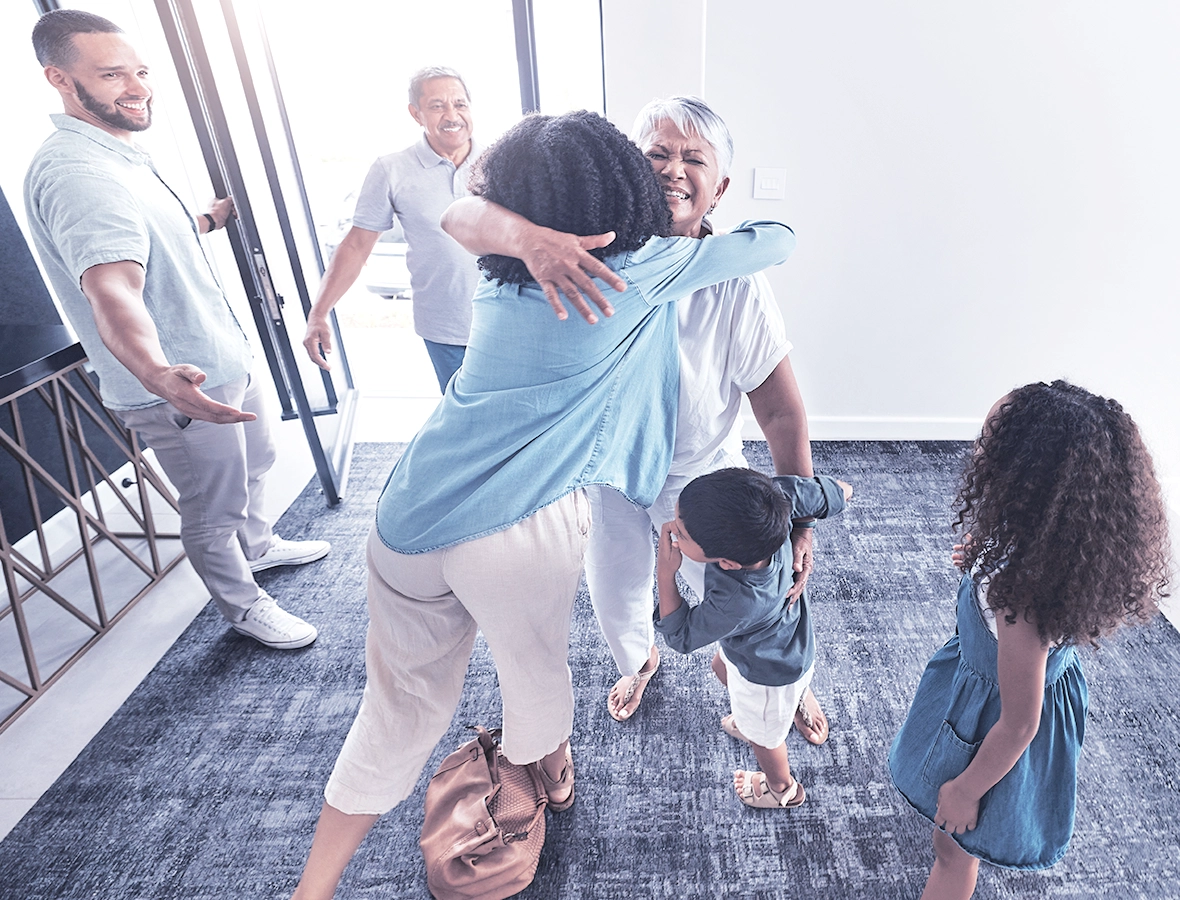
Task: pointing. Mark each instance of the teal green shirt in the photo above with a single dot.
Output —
(770, 642)
(542, 407)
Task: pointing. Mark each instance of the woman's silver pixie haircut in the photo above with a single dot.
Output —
(690, 115)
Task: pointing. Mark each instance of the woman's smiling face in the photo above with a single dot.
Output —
(686, 167)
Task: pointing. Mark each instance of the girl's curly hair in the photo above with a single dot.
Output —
(575, 173)
(1064, 510)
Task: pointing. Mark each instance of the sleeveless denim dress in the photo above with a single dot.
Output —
(1026, 820)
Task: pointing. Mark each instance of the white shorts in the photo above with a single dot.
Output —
(764, 714)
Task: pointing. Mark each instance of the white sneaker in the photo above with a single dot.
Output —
(274, 627)
(289, 553)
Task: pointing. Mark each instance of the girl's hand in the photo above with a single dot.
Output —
(957, 810)
(959, 552)
(668, 557)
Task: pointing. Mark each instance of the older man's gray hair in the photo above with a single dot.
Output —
(419, 79)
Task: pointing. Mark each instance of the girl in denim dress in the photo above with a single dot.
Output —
(1068, 542)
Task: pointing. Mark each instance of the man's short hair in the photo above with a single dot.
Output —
(736, 514)
(418, 81)
(53, 35)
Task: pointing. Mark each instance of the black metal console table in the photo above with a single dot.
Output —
(79, 542)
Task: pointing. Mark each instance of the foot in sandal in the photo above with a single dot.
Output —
(754, 790)
(810, 719)
(562, 787)
(624, 697)
(729, 726)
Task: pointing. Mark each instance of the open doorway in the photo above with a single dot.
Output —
(343, 70)
(364, 54)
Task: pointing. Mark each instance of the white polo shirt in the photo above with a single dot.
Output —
(416, 185)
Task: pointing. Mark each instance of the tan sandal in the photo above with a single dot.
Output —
(633, 683)
(559, 785)
(729, 726)
(756, 792)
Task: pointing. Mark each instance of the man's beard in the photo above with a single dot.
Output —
(112, 115)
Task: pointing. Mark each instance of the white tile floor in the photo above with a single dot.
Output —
(391, 367)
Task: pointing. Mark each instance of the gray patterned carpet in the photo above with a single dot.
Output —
(207, 782)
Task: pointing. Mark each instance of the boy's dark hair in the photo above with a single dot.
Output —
(53, 35)
(736, 514)
(575, 173)
(1063, 506)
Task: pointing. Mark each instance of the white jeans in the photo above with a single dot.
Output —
(219, 472)
(517, 586)
(620, 564)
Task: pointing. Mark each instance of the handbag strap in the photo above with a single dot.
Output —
(489, 742)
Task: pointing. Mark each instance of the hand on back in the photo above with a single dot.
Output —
(563, 266)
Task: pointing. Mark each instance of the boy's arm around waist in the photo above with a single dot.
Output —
(817, 497)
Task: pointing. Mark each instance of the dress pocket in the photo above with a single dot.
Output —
(947, 759)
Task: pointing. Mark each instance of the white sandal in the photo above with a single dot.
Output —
(756, 791)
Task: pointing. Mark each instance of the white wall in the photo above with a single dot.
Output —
(984, 195)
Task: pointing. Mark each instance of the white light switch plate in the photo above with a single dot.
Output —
(770, 184)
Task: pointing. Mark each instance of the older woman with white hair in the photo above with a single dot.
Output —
(732, 343)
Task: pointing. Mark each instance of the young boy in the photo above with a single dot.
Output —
(738, 520)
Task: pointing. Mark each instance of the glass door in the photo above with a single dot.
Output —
(223, 61)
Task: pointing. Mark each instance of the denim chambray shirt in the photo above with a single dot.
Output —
(94, 199)
(542, 407)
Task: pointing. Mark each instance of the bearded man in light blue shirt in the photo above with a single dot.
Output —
(126, 263)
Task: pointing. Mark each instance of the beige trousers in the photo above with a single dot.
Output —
(517, 586)
(219, 472)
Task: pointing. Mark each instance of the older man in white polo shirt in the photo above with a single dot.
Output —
(415, 185)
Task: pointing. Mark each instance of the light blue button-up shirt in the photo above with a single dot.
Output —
(94, 199)
(542, 407)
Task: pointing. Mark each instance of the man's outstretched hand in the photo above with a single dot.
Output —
(181, 386)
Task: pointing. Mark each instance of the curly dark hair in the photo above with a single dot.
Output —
(1065, 511)
(575, 173)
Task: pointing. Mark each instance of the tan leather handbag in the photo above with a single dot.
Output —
(484, 825)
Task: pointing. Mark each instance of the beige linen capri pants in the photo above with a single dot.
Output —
(517, 586)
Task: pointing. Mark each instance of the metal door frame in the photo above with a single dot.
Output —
(182, 31)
